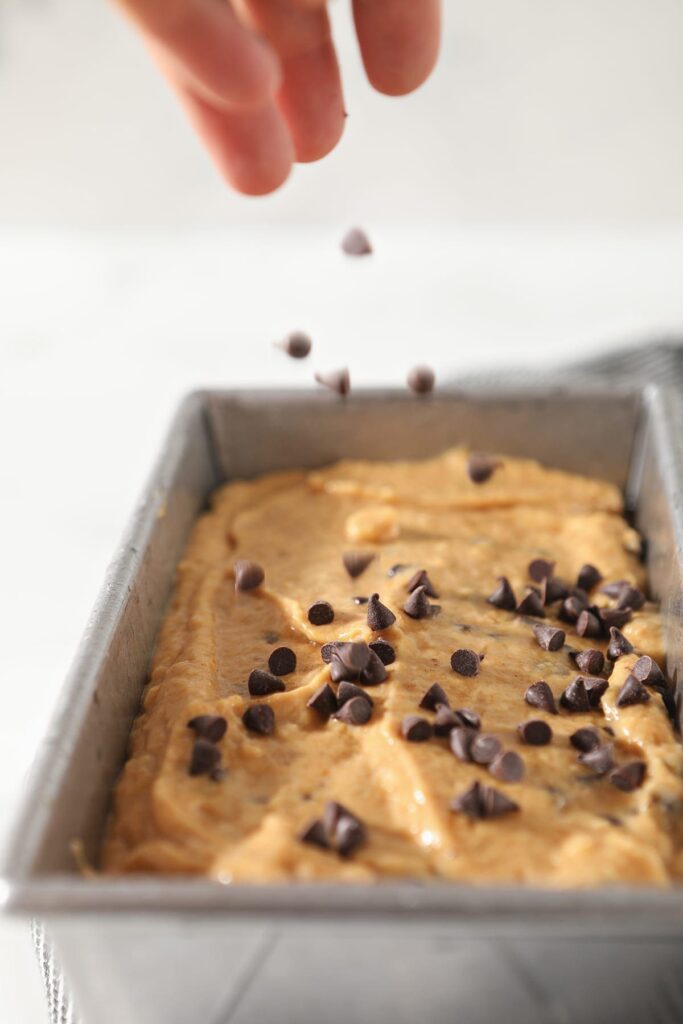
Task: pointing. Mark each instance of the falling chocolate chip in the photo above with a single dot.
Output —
(481, 467)
(421, 380)
(535, 732)
(374, 672)
(356, 711)
(548, 637)
(297, 345)
(600, 759)
(379, 616)
(348, 661)
(315, 835)
(418, 605)
(571, 608)
(282, 661)
(591, 660)
(539, 569)
(259, 718)
(618, 617)
(632, 692)
(360, 600)
(630, 597)
(553, 589)
(356, 562)
(465, 662)
(421, 579)
(647, 671)
(539, 695)
(460, 741)
(531, 604)
(507, 767)
(483, 802)
(262, 683)
(384, 651)
(205, 757)
(485, 748)
(321, 613)
(586, 739)
(503, 596)
(445, 720)
(416, 729)
(434, 696)
(209, 727)
(588, 624)
(356, 243)
(575, 696)
(395, 569)
(323, 701)
(248, 575)
(336, 380)
(629, 776)
(588, 577)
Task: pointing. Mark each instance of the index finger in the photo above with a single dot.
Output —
(399, 41)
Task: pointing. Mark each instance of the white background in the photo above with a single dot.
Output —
(526, 206)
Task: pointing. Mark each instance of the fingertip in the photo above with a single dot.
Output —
(312, 103)
(399, 42)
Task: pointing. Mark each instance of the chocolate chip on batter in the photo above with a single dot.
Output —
(327, 650)
(575, 696)
(209, 727)
(345, 832)
(347, 691)
(356, 243)
(647, 671)
(588, 577)
(630, 597)
(481, 467)
(465, 662)
(632, 692)
(421, 579)
(259, 718)
(296, 344)
(503, 596)
(614, 617)
(614, 588)
(588, 624)
(321, 613)
(206, 757)
(535, 732)
(248, 575)
(418, 605)
(348, 661)
(629, 776)
(539, 695)
(315, 835)
(571, 608)
(445, 720)
(507, 767)
(539, 569)
(434, 696)
(335, 380)
(356, 562)
(591, 660)
(460, 741)
(586, 739)
(599, 759)
(356, 711)
(384, 651)
(282, 661)
(485, 747)
(531, 604)
(618, 644)
(421, 380)
(416, 729)
(379, 616)
(469, 717)
(483, 802)
(553, 589)
(595, 688)
(323, 701)
(548, 637)
(262, 683)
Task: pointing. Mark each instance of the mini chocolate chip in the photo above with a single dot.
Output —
(321, 613)
(374, 672)
(356, 243)
(630, 597)
(434, 696)
(460, 741)
(539, 569)
(465, 662)
(356, 711)
(315, 835)
(421, 579)
(540, 696)
(571, 608)
(588, 624)
(553, 589)
(618, 644)
(356, 562)
(347, 691)
(416, 729)
(379, 616)
(599, 759)
(469, 717)
(480, 802)
(418, 605)
(205, 757)
(503, 596)
(335, 380)
(535, 732)
(348, 661)
(647, 671)
(209, 727)
(384, 651)
(360, 600)
(615, 588)
(531, 604)
(507, 767)
(394, 569)
(345, 832)
(297, 345)
(632, 692)
(575, 696)
(259, 718)
(469, 802)
(591, 660)
(485, 747)
(629, 776)
(548, 637)
(262, 683)
(323, 701)
(481, 467)
(588, 577)
(248, 575)
(586, 739)
(327, 650)
(282, 661)
(421, 380)
(445, 720)
(614, 617)
(595, 688)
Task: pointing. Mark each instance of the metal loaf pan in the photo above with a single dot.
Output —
(147, 950)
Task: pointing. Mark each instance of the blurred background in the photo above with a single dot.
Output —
(526, 208)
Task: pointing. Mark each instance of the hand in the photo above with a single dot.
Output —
(259, 79)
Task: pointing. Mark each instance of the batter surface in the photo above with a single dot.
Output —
(448, 783)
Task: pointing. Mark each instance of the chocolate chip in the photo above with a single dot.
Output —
(632, 692)
(540, 696)
(503, 596)
(321, 613)
(418, 605)
(282, 661)
(416, 729)
(618, 644)
(323, 701)
(209, 727)
(384, 651)
(356, 243)
(205, 757)
(614, 617)
(586, 739)
(360, 600)
(548, 637)
(531, 604)
(434, 696)
(315, 835)
(480, 802)
(259, 718)
(460, 741)
(421, 579)
(356, 711)
(599, 759)
(297, 345)
(590, 660)
(374, 672)
(628, 777)
(345, 832)
(348, 661)
(327, 651)
(379, 616)
(630, 597)
(485, 748)
(248, 575)
(588, 624)
(261, 683)
(465, 662)
(445, 720)
(588, 577)
(539, 569)
(356, 562)
(553, 589)
(575, 696)
(421, 380)
(469, 717)
(347, 691)
(535, 732)
(572, 608)
(595, 688)
(507, 767)
(335, 380)
(615, 588)
(394, 569)
(647, 671)
(481, 467)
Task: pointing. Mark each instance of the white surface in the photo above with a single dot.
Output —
(100, 335)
